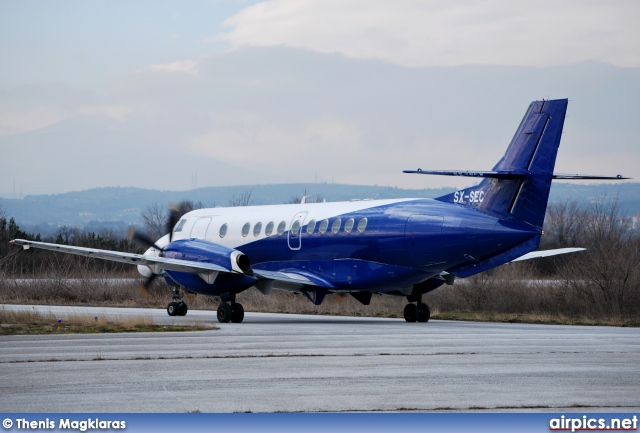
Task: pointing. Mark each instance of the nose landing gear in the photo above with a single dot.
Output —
(177, 307)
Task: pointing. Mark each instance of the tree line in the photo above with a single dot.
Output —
(603, 281)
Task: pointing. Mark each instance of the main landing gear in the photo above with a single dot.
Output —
(233, 312)
(417, 313)
(177, 307)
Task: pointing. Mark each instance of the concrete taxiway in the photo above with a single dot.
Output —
(281, 362)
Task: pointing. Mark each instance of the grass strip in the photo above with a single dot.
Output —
(30, 322)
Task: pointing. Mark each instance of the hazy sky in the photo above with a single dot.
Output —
(149, 93)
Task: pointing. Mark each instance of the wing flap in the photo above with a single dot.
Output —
(294, 277)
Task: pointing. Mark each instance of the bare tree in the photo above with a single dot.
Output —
(564, 224)
(185, 206)
(242, 199)
(608, 272)
(154, 218)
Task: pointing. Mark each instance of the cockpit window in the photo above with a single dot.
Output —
(181, 224)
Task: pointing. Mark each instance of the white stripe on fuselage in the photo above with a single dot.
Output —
(237, 217)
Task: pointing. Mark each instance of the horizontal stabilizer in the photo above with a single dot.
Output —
(547, 253)
(587, 176)
(510, 174)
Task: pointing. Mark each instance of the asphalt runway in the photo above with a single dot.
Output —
(296, 363)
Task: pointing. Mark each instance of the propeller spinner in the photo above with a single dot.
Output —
(146, 241)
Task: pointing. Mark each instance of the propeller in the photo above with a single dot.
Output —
(172, 220)
(146, 241)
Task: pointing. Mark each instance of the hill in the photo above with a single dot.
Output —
(120, 207)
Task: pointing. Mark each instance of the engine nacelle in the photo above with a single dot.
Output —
(239, 277)
(198, 250)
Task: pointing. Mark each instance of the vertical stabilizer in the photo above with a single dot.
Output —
(519, 184)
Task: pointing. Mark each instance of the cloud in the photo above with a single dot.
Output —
(184, 66)
(279, 114)
(416, 33)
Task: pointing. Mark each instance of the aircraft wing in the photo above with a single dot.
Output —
(292, 277)
(547, 253)
(133, 259)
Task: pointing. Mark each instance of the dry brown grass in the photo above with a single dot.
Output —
(513, 294)
(31, 322)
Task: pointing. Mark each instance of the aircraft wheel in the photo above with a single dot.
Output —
(424, 313)
(172, 309)
(224, 313)
(237, 313)
(410, 313)
(182, 309)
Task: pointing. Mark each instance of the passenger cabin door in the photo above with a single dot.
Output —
(295, 231)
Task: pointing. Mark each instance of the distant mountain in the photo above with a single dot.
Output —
(120, 207)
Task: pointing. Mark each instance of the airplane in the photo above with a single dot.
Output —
(400, 247)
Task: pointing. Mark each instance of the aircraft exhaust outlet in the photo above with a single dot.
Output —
(244, 264)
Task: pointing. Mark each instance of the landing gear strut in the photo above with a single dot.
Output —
(233, 312)
(417, 313)
(177, 307)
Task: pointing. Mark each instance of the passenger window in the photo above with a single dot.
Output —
(268, 229)
(245, 229)
(223, 230)
(335, 227)
(181, 224)
(348, 226)
(362, 224)
(311, 226)
(323, 226)
(281, 227)
(256, 229)
(295, 228)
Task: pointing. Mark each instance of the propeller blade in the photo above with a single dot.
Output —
(144, 287)
(143, 239)
(172, 220)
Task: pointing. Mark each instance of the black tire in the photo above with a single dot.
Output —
(410, 313)
(172, 309)
(182, 309)
(224, 313)
(424, 313)
(237, 313)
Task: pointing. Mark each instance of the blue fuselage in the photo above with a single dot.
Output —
(404, 243)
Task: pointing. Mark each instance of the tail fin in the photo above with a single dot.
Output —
(519, 184)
